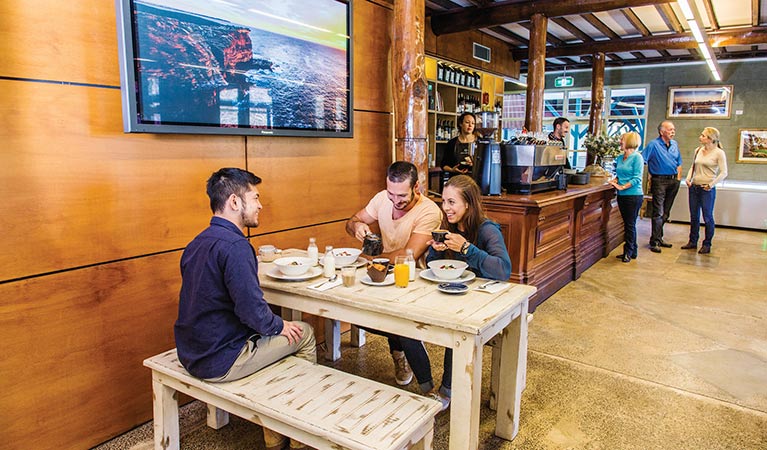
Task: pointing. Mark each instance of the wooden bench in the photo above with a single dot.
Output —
(316, 405)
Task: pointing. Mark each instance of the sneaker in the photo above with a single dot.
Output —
(444, 401)
(403, 375)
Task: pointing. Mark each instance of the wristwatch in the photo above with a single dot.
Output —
(465, 248)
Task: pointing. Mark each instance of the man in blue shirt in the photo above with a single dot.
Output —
(664, 164)
(225, 329)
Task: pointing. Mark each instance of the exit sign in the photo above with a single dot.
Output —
(564, 82)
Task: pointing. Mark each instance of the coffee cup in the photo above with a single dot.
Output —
(439, 235)
(267, 253)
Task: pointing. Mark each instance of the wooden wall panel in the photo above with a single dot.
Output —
(372, 64)
(321, 180)
(73, 344)
(79, 191)
(56, 40)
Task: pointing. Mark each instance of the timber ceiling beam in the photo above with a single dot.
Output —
(748, 36)
(512, 11)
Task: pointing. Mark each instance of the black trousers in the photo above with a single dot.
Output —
(629, 207)
(663, 190)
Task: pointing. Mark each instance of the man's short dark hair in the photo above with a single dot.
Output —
(560, 121)
(228, 181)
(401, 171)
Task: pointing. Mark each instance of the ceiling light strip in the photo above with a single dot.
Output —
(691, 14)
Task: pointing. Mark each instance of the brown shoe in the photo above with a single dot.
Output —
(403, 375)
(689, 246)
(704, 249)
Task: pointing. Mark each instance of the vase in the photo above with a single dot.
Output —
(608, 163)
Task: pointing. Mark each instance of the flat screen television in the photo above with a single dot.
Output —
(242, 67)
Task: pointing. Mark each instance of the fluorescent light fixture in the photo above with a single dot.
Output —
(690, 12)
(686, 10)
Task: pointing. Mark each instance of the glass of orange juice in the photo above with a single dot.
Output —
(401, 272)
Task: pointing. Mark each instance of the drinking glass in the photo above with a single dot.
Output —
(401, 272)
(349, 275)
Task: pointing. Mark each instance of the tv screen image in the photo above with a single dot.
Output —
(275, 67)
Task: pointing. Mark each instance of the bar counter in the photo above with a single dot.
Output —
(553, 237)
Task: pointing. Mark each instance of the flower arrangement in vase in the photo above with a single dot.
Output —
(604, 148)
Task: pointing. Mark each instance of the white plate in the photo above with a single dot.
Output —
(467, 275)
(360, 262)
(313, 272)
(453, 288)
(389, 280)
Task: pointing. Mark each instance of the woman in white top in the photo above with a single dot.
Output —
(709, 167)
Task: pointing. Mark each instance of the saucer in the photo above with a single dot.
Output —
(313, 272)
(467, 275)
(389, 280)
(453, 288)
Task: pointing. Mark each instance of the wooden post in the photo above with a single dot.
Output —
(536, 73)
(597, 97)
(409, 86)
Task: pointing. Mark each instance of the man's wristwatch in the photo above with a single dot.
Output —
(465, 248)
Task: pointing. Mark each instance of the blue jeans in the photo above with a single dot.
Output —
(663, 192)
(701, 200)
(419, 362)
(629, 207)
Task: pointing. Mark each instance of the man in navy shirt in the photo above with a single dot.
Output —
(664, 164)
(225, 329)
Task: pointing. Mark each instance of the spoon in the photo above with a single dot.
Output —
(488, 284)
(329, 280)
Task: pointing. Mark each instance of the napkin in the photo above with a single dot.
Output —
(325, 285)
(493, 288)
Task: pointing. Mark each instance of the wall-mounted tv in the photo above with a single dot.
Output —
(243, 67)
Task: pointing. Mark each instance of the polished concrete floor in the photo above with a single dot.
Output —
(666, 352)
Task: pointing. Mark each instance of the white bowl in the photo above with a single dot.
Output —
(447, 269)
(293, 265)
(346, 256)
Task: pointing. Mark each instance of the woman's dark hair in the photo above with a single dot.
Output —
(463, 116)
(228, 181)
(475, 215)
(401, 171)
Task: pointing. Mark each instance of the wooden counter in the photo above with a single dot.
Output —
(553, 237)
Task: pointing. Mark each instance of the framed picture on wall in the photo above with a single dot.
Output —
(753, 146)
(699, 102)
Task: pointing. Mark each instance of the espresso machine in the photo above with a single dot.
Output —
(487, 156)
(532, 165)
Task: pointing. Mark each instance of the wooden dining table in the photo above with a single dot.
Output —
(462, 322)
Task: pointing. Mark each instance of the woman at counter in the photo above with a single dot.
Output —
(628, 182)
(457, 158)
(472, 238)
(709, 167)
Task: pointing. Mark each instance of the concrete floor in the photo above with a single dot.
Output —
(666, 352)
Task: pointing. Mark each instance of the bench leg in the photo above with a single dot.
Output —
(165, 408)
(332, 339)
(358, 336)
(217, 418)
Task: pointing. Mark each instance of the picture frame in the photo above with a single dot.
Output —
(752, 146)
(699, 102)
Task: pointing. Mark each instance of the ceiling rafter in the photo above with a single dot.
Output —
(572, 29)
(511, 11)
(550, 38)
(713, 21)
(636, 22)
(599, 25)
(755, 12)
(669, 16)
(513, 38)
(743, 36)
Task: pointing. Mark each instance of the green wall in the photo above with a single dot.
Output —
(749, 95)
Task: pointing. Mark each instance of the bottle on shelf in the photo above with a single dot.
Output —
(410, 260)
(328, 262)
(311, 251)
(440, 71)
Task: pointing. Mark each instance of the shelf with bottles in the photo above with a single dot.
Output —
(458, 76)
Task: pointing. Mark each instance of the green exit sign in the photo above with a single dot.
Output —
(564, 82)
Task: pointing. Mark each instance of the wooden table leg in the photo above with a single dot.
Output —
(165, 406)
(358, 336)
(467, 390)
(512, 376)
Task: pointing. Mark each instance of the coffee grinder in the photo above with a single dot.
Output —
(487, 157)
